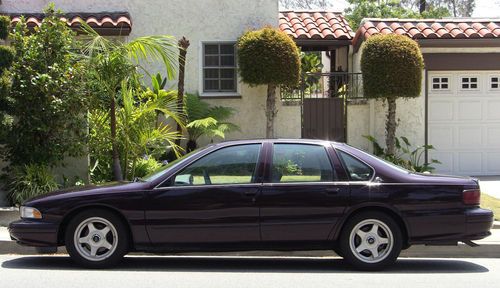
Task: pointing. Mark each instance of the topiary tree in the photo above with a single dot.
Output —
(268, 57)
(392, 68)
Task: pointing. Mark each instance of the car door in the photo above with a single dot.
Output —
(302, 198)
(211, 200)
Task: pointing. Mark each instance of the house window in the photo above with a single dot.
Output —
(495, 82)
(440, 83)
(219, 67)
(469, 83)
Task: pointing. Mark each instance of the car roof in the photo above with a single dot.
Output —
(277, 140)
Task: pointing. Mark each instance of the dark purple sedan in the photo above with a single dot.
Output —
(261, 195)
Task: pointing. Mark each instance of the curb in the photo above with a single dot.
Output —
(8, 214)
(418, 251)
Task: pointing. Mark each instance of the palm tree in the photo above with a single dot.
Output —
(139, 133)
(112, 62)
(203, 119)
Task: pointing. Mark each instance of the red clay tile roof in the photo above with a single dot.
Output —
(115, 23)
(315, 25)
(430, 28)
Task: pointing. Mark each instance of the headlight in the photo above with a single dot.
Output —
(30, 212)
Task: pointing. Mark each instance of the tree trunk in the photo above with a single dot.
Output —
(270, 110)
(390, 126)
(183, 46)
(117, 170)
(422, 6)
(191, 145)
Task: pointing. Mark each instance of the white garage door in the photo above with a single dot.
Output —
(464, 121)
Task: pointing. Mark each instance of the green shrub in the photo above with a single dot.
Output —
(405, 156)
(30, 181)
(4, 27)
(205, 120)
(392, 67)
(47, 97)
(6, 57)
(145, 166)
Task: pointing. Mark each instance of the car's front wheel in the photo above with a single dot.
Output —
(371, 241)
(96, 238)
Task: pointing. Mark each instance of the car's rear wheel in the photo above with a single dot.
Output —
(96, 238)
(371, 241)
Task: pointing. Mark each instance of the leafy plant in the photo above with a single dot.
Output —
(138, 131)
(29, 181)
(145, 166)
(310, 66)
(287, 167)
(405, 156)
(111, 62)
(203, 119)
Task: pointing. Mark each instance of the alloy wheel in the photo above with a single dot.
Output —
(96, 239)
(371, 241)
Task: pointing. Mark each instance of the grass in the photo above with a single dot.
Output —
(491, 203)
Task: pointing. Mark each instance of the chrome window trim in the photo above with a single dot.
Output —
(206, 154)
(207, 186)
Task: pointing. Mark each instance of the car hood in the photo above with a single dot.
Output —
(119, 186)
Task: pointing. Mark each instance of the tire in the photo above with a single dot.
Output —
(371, 241)
(96, 238)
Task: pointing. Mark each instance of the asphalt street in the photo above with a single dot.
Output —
(218, 272)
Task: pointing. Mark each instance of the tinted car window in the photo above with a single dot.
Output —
(230, 165)
(357, 170)
(301, 163)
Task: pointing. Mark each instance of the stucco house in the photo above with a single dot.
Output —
(458, 111)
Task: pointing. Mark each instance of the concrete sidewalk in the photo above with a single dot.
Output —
(489, 248)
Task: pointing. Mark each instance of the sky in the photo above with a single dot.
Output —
(484, 8)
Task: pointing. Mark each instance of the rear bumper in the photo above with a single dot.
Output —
(478, 223)
(466, 225)
(34, 233)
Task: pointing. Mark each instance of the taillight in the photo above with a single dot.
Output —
(471, 196)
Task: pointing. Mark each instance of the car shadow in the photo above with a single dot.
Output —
(246, 264)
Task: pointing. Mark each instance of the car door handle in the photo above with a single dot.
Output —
(332, 191)
(250, 192)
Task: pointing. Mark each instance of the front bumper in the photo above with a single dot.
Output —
(478, 222)
(34, 233)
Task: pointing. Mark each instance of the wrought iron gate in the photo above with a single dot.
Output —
(323, 98)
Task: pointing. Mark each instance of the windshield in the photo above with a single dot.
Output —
(160, 171)
(380, 160)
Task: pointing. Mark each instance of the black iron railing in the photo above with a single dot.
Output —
(324, 85)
